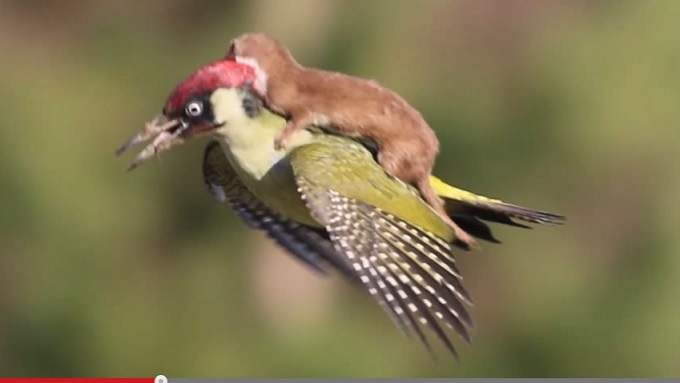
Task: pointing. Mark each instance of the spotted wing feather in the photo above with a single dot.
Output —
(409, 271)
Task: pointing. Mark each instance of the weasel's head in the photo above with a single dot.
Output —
(265, 54)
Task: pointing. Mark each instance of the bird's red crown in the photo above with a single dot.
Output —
(223, 73)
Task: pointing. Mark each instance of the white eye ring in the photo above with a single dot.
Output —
(194, 109)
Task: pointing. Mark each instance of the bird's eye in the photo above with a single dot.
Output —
(194, 109)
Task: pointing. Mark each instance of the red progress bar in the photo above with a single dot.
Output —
(76, 380)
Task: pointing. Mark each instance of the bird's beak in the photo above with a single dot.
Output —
(167, 133)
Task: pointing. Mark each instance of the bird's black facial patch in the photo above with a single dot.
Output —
(198, 110)
(252, 104)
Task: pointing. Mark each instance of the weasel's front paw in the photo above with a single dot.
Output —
(281, 141)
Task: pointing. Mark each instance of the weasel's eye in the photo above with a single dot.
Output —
(194, 109)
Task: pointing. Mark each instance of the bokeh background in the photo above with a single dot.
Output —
(567, 106)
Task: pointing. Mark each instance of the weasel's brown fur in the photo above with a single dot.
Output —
(356, 107)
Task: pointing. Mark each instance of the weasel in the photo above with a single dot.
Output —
(407, 146)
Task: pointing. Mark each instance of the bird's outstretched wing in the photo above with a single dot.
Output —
(311, 245)
(410, 271)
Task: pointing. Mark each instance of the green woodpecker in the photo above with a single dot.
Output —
(327, 200)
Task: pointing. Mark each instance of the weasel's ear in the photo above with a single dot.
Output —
(231, 52)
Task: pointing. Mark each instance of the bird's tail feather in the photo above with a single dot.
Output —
(470, 210)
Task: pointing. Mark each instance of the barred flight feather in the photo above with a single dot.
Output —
(411, 273)
(306, 243)
(355, 241)
(444, 293)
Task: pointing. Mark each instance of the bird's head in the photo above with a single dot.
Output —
(197, 106)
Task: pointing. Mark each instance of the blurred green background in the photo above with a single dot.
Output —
(566, 106)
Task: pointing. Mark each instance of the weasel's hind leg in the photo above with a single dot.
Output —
(430, 196)
(407, 171)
